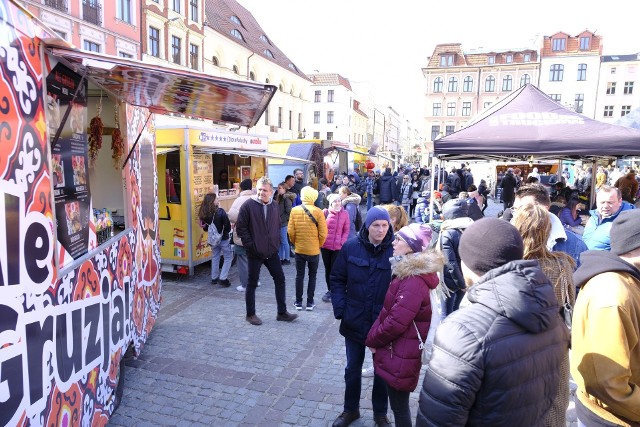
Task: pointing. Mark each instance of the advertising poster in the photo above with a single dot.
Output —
(69, 159)
(202, 180)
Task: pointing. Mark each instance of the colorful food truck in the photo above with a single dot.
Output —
(80, 280)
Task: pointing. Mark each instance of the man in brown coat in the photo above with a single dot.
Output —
(628, 186)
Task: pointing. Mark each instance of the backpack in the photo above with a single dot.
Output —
(214, 237)
(297, 201)
(358, 220)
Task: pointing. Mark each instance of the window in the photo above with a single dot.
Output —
(556, 73)
(316, 135)
(467, 86)
(125, 55)
(317, 97)
(509, 59)
(154, 42)
(525, 80)
(123, 11)
(237, 34)
(437, 85)
(582, 72)
(193, 8)
(435, 132)
(62, 34)
(91, 46)
(290, 120)
(329, 116)
(453, 85)
(330, 95)
(269, 54)
(466, 108)
(559, 45)
(487, 104)
(266, 116)
(626, 109)
(490, 84)
(176, 5)
(330, 136)
(300, 122)
(507, 84)
(611, 88)
(252, 76)
(193, 56)
(527, 57)
(491, 60)
(215, 61)
(446, 60)
(628, 88)
(437, 108)
(265, 39)
(584, 43)
(613, 70)
(450, 130)
(451, 109)
(175, 49)
(316, 117)
(235, 69)
(235, 20)
(579, 102)
(280, 117)
(608, 110)
(556, 97)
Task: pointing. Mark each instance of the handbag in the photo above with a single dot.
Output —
(566, 310)
(214, 237)
(425, 355)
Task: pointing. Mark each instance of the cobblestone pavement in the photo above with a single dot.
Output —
(204, 365)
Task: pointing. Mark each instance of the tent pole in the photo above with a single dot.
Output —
(431, 197)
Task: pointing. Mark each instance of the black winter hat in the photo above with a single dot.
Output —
(455, 208)
(246, 184)
(625, 232)
(490, 243)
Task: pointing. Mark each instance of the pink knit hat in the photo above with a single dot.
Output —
(417, 236)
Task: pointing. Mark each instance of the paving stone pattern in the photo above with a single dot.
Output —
(204, 365)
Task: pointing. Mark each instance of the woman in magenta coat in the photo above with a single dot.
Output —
(393, 337)
(338, 226)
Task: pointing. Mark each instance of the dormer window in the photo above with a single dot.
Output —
(446, 60)
(527, 57)
(237, 34)
(491, 60)
(585, 43)
(269, 54)
(236, 20)
(559, 45)
(508, 59)
(265, 39)
(293, 67)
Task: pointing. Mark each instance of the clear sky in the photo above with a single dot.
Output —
(387, 43)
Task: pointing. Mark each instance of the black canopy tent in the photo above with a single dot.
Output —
(529, 123)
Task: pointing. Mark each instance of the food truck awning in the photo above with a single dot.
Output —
(170, 90)
(249, 153)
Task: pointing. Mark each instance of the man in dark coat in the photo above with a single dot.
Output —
(360, 278)
(387, 188)
(496, 362)
(258, 226)
(454, 183)
(508, 185)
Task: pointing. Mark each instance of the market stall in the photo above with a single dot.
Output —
(80, 282)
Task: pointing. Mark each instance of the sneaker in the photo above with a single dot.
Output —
(241, 288)
(254, 320)
(225, 283)
(214, 281)
(286, 317)
(286, 262)
(367, 372)
(298, 305)
(326, 297)
(310, 306)
(346, 418)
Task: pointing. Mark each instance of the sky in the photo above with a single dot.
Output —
(366, 41)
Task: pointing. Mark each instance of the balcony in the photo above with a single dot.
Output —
(60, 5)
(92, 12)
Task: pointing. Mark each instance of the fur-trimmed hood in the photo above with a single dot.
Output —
(290, 195)
(352, 198)
(416, 264)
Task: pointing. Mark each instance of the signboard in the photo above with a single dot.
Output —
(237, 141)
(202, 183)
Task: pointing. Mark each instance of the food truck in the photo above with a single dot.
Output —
(80, 281)
(196, 159)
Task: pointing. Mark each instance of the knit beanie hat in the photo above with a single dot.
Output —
(417, 236)
(309, 194)
(331, 197)
(246, 184)
(625, 232)
(490, 243)
(376, 213)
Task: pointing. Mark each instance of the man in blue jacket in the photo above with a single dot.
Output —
(360, 278)
(609, 203)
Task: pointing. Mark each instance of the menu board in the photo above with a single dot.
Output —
(202, 179)
(69, 159)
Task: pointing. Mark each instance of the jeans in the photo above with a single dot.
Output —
(224, 249)
(399, 402)
(452, 302)
(328, 259)
(369, 201)
(285, 248)
(242, 264)
(275, 269)
(353, 381)
(301, 261)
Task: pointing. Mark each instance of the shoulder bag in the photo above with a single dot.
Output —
(310, 215)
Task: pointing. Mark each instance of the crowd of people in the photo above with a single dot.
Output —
(491, 298)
